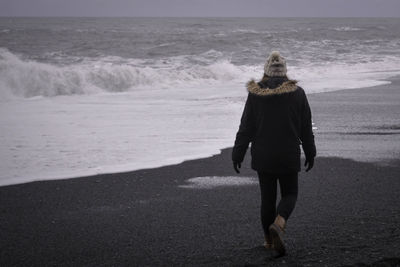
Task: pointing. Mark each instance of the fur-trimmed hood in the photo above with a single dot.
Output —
(286, 87)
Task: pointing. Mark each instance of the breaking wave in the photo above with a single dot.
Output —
(28, 78)
(20, 77)
(347, 29)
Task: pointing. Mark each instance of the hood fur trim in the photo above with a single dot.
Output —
(286, 87)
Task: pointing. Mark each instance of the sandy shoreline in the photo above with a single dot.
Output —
(347, 212)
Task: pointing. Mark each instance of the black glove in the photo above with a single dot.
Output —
(310, 163)
(236, 166)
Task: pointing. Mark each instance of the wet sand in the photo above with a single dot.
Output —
(348, 212)
(361, 124)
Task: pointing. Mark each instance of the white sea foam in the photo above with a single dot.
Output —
(25, 78)
(210, 182)
(333, 76)
(347, 29)
(245, 31)
(69, 136)
(28, 78)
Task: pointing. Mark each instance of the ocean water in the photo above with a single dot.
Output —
(81, 96)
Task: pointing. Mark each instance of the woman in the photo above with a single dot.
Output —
(276, 120)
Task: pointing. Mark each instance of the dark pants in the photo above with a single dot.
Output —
(268, 185)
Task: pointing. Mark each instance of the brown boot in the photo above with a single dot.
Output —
(268, 242)
(276, 231)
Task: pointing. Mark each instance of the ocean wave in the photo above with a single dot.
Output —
(158, 46)
(111, 74)
(28, 78)
(347, 29)
(245, 31)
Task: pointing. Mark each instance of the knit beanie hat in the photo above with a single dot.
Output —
(275, 65)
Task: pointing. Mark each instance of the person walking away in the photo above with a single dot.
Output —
(276, 120)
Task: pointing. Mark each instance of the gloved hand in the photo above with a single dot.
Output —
(310, 163)
(236, 166)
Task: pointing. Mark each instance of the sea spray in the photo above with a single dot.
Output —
(28, 78)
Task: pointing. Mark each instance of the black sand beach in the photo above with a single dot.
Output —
(347, 214)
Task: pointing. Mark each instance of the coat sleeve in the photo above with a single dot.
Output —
(245, 133)
(307, 135)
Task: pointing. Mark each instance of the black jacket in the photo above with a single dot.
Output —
(276, 120)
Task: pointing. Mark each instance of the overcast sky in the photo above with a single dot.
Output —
(200, 8)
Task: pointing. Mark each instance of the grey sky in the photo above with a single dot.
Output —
(212, 8)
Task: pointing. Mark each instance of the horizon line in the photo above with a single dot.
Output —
(90, 16)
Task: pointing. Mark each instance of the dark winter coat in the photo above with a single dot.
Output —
(276, 120)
